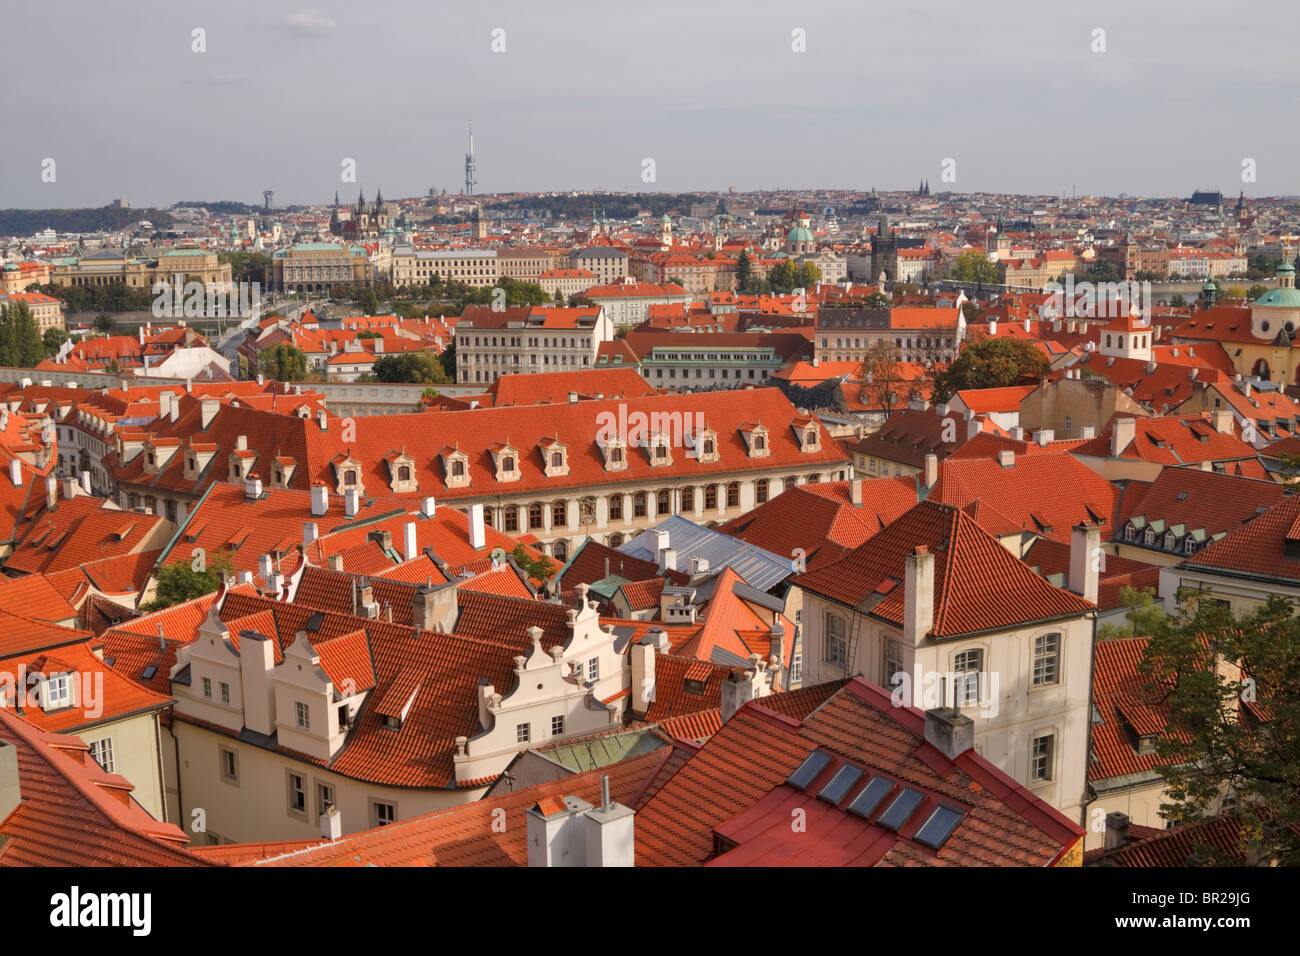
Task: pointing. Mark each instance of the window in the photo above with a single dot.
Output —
(1040, 760)
(893, 659)
(616, 454)
(1047, 659)
(521, 733)
(638, 504)
(229, 765)
(760, 491)
(207, 687)
(575, 669)
(616, 506)
(384, 814)
(458, 469)
(1130, 532)
(1171, 541)
(733, 495)
(58, 691)
(536, 518)
(967, 666)
(710, 497)
(1067, 424)
(1189, 545)
(511, 519)
(1149, 537)
(708, 447)
(557, 725)
(836, 645)
(593, 668)
(102, 753)
(297, 794)
(796, 669)
(404, 473)
(663, 502)
(303, 714)
(324, 797)
(225, 692)
(688, 499)
(508, 463)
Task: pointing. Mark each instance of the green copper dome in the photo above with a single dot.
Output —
(1281, 298)
(799, 234)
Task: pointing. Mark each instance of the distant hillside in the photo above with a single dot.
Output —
(614, 206)
(27, 222)
(222, 207)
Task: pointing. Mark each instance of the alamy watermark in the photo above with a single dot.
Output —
(38, 690)
(641, 429)
(199, 300)
(1107, 300)
(947, 689)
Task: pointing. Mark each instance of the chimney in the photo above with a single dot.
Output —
(643, 673)
(698, 566)
(310, 532)
(1044, 435)
(435, 608)
(256, 665)
(743, 685)
(320, 500)
(351, 502)
(51, 491)
(1117, 824)
(931, 469)
(322, 420)
(557, 832)
(208, 408)
(1087, 431)
(165, 404)
(477, 535)
(427, 506)
(668, 560)
(1122, 435)
(264, 566)
(335, 562)
(244, 577)
(573, 398)
(16, 472)
(1222, 419)
(11, 796)
(950, 731)
(1018, 433)
(993, 327)
(1007, 458)
(918, 596)
(609, 831)
(1085, 561)
(973, 427)
(855, 492)
(70, 488)
(85, 482)
(253, 487)
(409, 549)
(331, 823)
(241, 443)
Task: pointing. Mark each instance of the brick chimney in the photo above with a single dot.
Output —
(1117, 824)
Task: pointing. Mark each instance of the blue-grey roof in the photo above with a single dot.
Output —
(761, 569)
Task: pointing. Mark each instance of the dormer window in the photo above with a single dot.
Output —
(1171, 541)
(555, 457)
(1150, 537)
(350, 477)
(660, 453)
(56, 692)
(1130, 532)
(401, 472)
(1189, 545)
(615, 452)
(455, 467)
(506, 458)
(755, 436)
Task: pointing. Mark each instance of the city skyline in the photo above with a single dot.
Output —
(720, 100)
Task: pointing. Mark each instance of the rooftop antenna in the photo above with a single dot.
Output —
(471, 166)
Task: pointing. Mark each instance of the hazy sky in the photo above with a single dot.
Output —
(586, 89)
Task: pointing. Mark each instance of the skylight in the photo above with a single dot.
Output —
(807, 771)
(840, 784)
(865, 803)
(901, 809)
(936, 830)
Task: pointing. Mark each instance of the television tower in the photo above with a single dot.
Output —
(471, 167)
(268, 197)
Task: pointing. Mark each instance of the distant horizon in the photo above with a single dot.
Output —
(158, 100)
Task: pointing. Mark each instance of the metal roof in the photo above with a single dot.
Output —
(761, 569)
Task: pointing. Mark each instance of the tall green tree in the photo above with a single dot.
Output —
(21, 344)
(744, 272)
(53, 338)
(1232, 686)
(991, 363)
(411, 367)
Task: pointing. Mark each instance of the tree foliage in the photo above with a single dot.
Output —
(974, 266)
(180, 582)
(1145, 615)
(991, 363)
(1232, 686)
(885, 385)
(21, 344)
(410, 367)
(541, 568)
(283, 363)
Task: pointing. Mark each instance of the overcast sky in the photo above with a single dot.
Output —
(587, 89)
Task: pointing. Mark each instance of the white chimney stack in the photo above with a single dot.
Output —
(855, 492)
(427, 506)
(310, 532)
(331, 824)
(264, 566)
(918, 596)
(477, 536)
(16, 472)
(409, 551)
(351, 502)
(1085, 561)
(320, 500)
(931, 469)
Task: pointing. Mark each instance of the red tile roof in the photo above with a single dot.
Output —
(1172, 440)
(978, 584)
(734, 787)
(73, 813)
(1267, 548)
